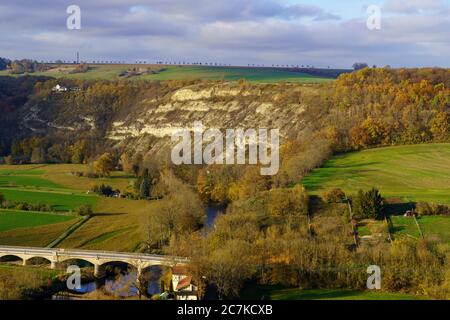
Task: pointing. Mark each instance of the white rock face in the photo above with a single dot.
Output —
(152, 122)
(188, 94)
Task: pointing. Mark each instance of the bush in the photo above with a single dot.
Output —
(2, 198)
(368, 204)
(92, 175)
(8, 160)
(84, 210)
(23, 206)
(77, 173)
(103, 190)
(334, 196)
(432, 209)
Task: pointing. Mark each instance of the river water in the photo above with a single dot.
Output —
(212, 212)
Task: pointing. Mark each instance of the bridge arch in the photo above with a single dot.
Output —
(77, 261)
(11, 257)
(37, 260)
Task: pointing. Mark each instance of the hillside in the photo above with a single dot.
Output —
(147, 113)
(412, 173)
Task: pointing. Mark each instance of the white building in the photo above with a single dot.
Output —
(182, 284)
(59, 88)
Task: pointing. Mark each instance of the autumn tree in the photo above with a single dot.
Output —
(79, 151)
(440, 126)
(179, 211)
(229, 267)
(104, 164)
(370, 133)
(38, 155)
(9, 160)
(288, 201)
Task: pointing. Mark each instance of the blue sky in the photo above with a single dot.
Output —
(322, 33)
(346, 8)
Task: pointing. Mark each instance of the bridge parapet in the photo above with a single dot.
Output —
(97, 258)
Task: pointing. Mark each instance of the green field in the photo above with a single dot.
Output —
(411, 173)
(433, 227)
(252, 74)
(59, 201)
(280, 293)
(115, 225)
(15, 180)
(30, 185)
(10, 220)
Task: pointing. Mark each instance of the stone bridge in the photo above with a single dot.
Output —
(99, 259)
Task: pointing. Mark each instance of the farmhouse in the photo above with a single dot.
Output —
(59, 88)
(182, 284)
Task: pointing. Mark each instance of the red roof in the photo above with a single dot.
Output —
(184, 283)
(179, 270)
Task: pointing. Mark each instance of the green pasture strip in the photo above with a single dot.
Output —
(11, 220)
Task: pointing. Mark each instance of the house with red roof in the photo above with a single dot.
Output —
(182, 284)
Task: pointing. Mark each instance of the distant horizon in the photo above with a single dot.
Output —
(214, 64)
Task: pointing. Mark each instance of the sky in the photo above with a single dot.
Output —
(322, 33)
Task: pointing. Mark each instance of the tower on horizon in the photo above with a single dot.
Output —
(78, 57)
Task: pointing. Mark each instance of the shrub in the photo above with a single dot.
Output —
(368, 204)
(8, 160)
(103, 190)
(84, 210)
(334, 196)
(431, 209)
(21, 206)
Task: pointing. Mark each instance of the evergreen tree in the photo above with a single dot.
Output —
(368, 204)
(144, 187)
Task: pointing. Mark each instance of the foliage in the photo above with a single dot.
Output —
(24, 206)
(179, 211)
(359, 66)
(145, 185)
(368, 204)
(432, 209)
(335, 195)
(81, 68)
(4, 63)
(292, 201)
(84, 210)
(104, 164)
(103, 190)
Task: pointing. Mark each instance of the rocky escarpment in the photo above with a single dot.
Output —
(149, 123)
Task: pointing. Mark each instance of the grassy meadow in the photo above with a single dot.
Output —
(12, 219)
(412, 173)
(432, 227)
(116, 224)
(161, 73)
(281, 293)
